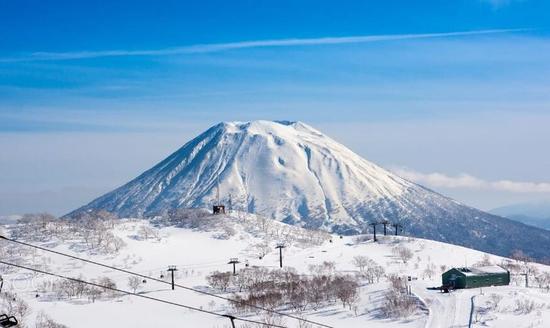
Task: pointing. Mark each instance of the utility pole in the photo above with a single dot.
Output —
(280, 246)
(397, 227)
(374, 224)
(234, 261)
(385, 223)
(172, 269)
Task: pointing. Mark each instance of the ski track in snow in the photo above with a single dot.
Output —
(446, 309)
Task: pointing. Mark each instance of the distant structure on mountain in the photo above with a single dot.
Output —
(218, 209)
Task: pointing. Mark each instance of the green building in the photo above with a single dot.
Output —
(476, 277)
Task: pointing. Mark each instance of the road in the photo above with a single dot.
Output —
(446, 310)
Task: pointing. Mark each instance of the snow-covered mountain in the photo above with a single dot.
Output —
(293, 173)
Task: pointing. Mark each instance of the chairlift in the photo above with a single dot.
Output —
(6, 321)
(144, 281)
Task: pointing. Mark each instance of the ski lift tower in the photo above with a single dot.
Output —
(373, 225)
(172, 269)
(398, 227)
(234, 261)
(280, 246)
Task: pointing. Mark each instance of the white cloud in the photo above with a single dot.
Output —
(467, 181)
(217, 47)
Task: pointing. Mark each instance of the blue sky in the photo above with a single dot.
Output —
(452, 94)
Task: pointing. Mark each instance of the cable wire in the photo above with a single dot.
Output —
(166, 282)
(139, 295)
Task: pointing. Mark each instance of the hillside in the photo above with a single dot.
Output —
(247, 237)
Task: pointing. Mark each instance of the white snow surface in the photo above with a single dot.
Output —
(197, 253)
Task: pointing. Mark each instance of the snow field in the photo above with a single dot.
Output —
(198, 253)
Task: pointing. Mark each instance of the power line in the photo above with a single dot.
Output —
(166, 282)
(138, 295)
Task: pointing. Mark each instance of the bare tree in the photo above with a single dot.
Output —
(403, 253)
(485, 261)
(347, 290)
(94, 293)
(146, 232)
(113, 244)
(219, 280)
(543, 280)
(360, 262)
(43, 321)
(520, 256)
(134, 283)
(494, 301)
(429, 271)
(397, 303)
(109, 285)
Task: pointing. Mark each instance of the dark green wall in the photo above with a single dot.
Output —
(460, 281)
(495, 279)
(475, 281)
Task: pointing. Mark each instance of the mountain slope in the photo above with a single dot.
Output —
(291, 172)
(535, 214)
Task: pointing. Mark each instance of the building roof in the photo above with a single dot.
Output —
(481, 271)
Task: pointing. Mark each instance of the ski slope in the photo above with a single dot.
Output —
(198, 252)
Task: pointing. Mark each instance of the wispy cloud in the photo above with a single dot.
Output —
(217, 47)
(467, 181)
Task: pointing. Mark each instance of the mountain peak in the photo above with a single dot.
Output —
(265, 127)
(289, 171)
